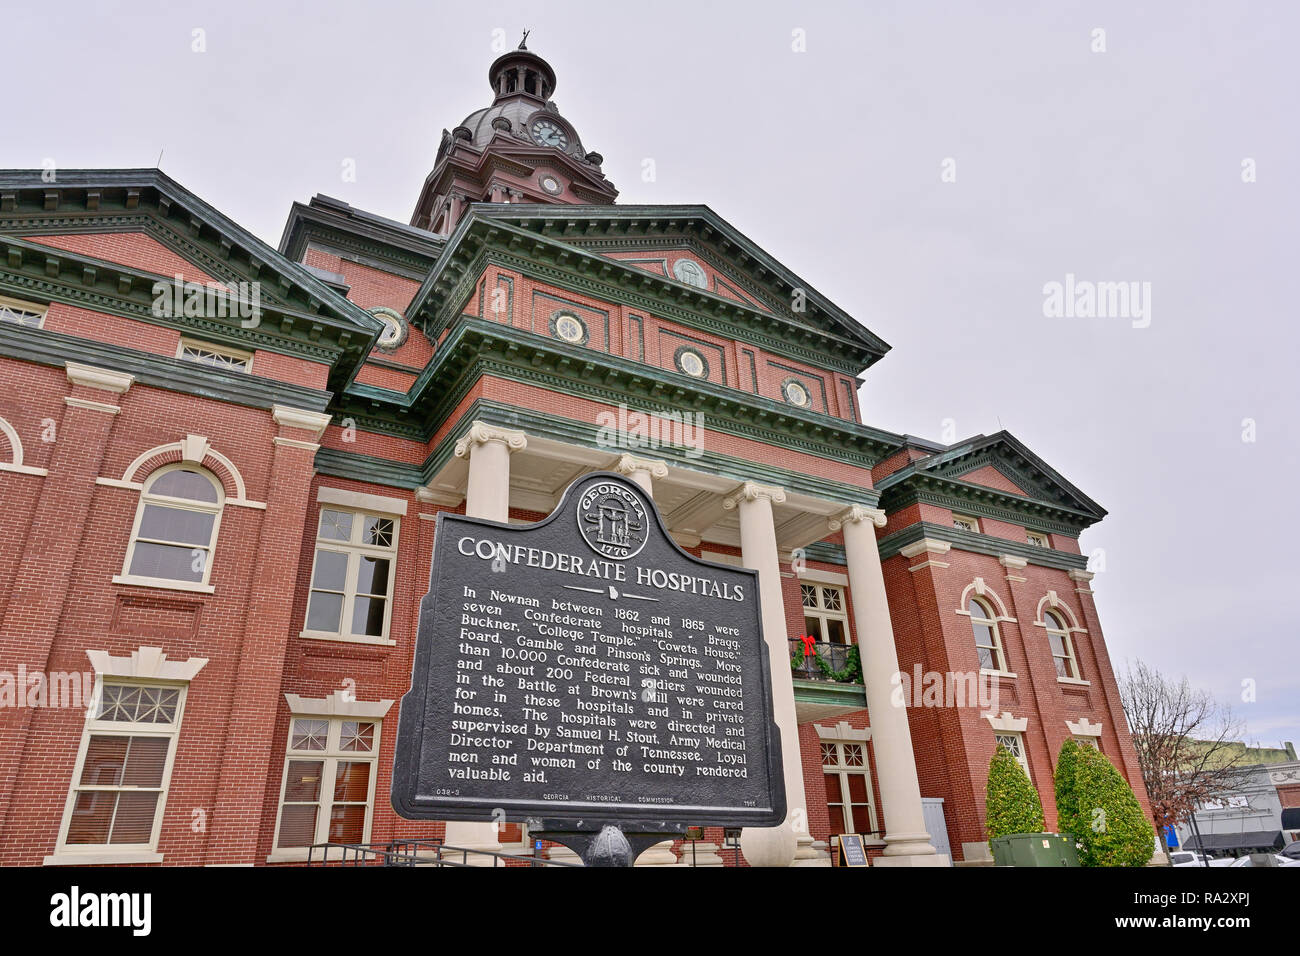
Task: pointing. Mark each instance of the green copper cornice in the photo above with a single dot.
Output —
(892, 544)
(42, 273)
(986, 502)
(107, 200)
(44, 347)
(477, 347)
(346, 464)
(481, 240)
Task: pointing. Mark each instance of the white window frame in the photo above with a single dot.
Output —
(355, 550)
(10, 305)
(999, 647)
(1022, 756)
(842, 769)
(91, 854)
(330, 758)
(959, 521)
(1088, 741)
(1064, 633)
(1037, 539)
(822, 613)
(236, 355)
(179, 504)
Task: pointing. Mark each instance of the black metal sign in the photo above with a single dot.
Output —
(585, 671)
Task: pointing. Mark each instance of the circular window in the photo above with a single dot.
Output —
(395, 327)
(690, 272)
(795, 393)
(570, 328)
(691, 362)
(551, 185)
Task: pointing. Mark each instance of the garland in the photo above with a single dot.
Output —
(851, 673)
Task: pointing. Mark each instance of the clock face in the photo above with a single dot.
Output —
(547, 133)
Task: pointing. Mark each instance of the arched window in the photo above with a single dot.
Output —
(175, 527)
(988, 643)
(1058, 635)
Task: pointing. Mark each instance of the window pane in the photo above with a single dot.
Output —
(828, 754)
(352, 781)
(105, 757)
(183, 483)
(835, 631)
(336, 525)
(976, 609)
(348, 824)
(92, 815)
(378, 532)
(146, 758)
(303, 784)
(833, 795)
(125, 702)
(167, 561)
(853, 755)
(331, 571)
(1053, 621)
(812, 626)
(134, 820)
(987, 660)
(309, 734)
(368, 616)
(177, 524)
(809, 595)
(857, 787)
(298, 825)
(355, 736)
(372, 576)
(831, 596)
(323, 611)
(983, 634)
(1058, 644)
(861, 818)
(1062, 667)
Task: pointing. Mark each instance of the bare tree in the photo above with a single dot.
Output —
(1188, 744)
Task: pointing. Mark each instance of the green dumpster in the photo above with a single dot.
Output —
(1034, 849)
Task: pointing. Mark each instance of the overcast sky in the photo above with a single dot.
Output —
(929, 167)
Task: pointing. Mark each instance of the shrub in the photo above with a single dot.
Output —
(1067, 804)
(1012, 805)
(1105, 816)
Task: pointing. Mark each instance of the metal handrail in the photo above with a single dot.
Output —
(835, 655)
(413, 852)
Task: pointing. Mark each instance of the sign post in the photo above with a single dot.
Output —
(587, 676)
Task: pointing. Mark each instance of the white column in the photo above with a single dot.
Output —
(779, 845)
(641, 470)
(487, 495)
(906, 841)
(644, 471)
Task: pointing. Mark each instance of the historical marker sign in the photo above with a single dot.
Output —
(585, 671)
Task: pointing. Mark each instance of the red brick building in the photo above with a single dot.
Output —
(219, 463)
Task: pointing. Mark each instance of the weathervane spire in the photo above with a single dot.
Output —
(523, 43)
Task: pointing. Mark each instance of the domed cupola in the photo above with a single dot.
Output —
(519, 149)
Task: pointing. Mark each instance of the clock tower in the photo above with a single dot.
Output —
(518, 150)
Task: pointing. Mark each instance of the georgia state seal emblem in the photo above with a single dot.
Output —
(612, 520)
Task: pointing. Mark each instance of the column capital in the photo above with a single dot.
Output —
(1080, 577)
(480, 433)
(628, 464)
(752, 491)
(855, 514)
(290, 417)
(93, 377)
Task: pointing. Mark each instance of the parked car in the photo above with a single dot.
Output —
(1281, 861)
(1186, 858)
(1292, 850)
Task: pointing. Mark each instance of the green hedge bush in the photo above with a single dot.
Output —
(1095, 803)
(1012, 804)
